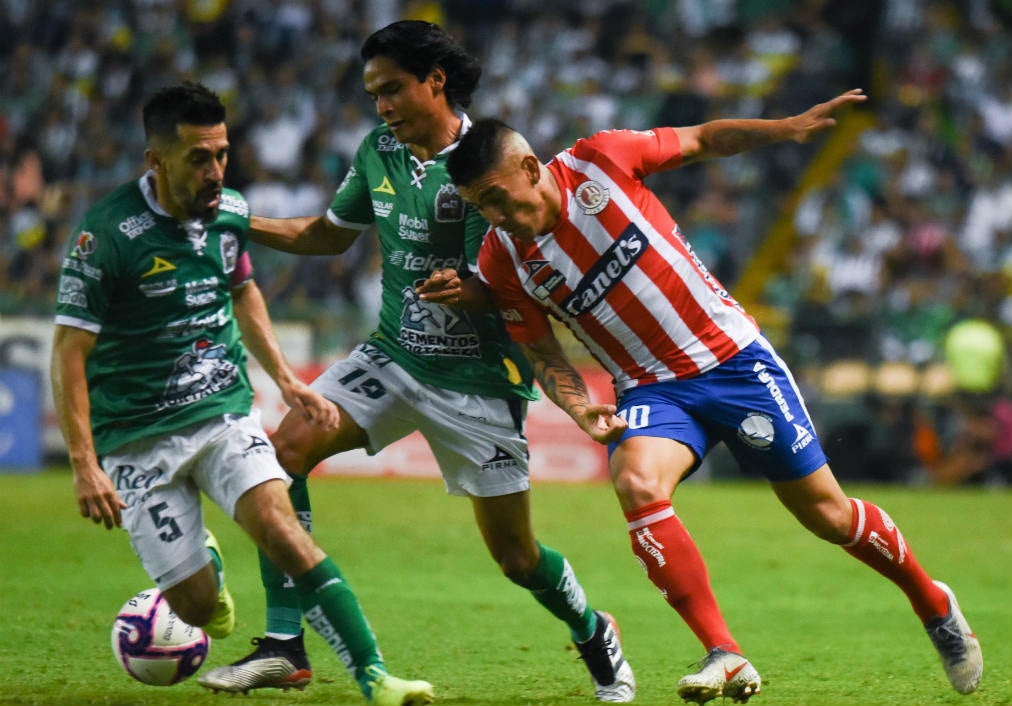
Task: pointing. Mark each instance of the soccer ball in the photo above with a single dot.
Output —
(153, 644)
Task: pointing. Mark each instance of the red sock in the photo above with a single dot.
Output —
(672, 561)
(877, 541)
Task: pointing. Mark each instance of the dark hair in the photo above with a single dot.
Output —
(419, 47)
(188, 103)
(478, 151)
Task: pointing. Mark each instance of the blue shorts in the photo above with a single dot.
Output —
(749, 402)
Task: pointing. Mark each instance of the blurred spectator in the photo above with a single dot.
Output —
(912, 233)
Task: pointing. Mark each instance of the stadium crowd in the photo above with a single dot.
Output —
(909, 236)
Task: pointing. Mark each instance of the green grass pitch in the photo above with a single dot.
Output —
(820, 627)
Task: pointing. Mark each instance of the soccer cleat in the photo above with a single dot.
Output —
(957, 646)
(602, 653)
(721, 673)
(222, 621)
(388, 690)
(274, 664)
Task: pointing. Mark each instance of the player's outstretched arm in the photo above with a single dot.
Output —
(726, 137)
(566, 387)
(96, 497)
(258, 336)
(308, 235)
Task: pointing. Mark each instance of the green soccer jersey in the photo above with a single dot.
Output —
(423, 224)
(157, 293)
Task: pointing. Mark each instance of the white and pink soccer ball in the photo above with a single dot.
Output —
(153, 644)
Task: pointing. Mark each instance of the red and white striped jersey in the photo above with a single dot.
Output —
(616, 270)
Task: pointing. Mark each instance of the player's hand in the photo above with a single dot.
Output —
(312, 405)
(820, 117)
(96, 497)
(442, 287)
(601, 423)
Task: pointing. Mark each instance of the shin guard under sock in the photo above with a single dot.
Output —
(674, 564)
(876, 540)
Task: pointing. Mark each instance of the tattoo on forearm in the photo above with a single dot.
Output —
(732, 140)
(561, 382)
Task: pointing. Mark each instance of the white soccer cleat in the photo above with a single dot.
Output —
(721, 673)
(957, 646)
(274, 664)
(602, 653)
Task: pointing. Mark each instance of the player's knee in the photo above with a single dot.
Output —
(637, 489)
(832, 522)
(291, 455)
(518, 567)
(195, 610)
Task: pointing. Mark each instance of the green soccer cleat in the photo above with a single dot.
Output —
(222, 621)
(388, 690)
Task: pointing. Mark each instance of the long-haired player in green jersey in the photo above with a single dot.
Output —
(453, 376)
(155, 310)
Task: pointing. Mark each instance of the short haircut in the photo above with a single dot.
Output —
(419, 47)
(187, 103)
(478, 151)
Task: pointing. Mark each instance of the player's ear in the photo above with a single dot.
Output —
(437, 79)
(152, 159)
(531, 167)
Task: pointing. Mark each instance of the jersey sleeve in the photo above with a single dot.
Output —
(351, 206)
(636, 152)
(86, 279)
(525, 320)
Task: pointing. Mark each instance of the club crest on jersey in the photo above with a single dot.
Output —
(449, 205)
(85, 245)
(591, 197)
(229, 251)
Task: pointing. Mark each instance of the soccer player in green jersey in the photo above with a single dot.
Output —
(455, 377)
(149, 379)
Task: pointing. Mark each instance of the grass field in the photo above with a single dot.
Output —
(821, 628)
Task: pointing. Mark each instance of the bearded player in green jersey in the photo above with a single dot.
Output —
(454, 377)
(150, 384)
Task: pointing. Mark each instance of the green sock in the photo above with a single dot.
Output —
(554, 585)
(284, 616)
(219, 566)
(331, 608)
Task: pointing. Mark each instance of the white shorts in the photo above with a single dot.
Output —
(478, 441)
(160, 479)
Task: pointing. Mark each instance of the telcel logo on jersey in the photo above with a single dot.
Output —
(410, 262)
(613, 264)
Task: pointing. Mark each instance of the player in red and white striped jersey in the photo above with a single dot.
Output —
(584, 240)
